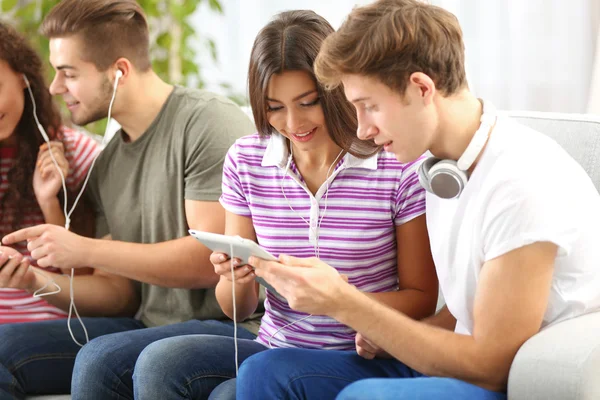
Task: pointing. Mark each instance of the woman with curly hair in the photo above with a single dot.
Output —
(30, 184)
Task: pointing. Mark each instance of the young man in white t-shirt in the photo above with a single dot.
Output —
(514, 227)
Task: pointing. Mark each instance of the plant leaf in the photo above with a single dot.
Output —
(164, 40)
(8, 5)
(212, 47)
(215, 5)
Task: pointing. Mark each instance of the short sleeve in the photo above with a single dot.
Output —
(80, 151)
(233, 197)
(410, 196)
(524, 211)
(211, 131)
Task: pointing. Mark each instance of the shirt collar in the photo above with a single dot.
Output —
(276, 155)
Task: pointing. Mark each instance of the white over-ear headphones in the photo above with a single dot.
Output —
(448, 178)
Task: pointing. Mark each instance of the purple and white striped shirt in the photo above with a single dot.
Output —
(354, 217)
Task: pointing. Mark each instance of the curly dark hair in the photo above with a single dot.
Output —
(22, 59)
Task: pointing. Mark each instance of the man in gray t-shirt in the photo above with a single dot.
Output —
(144, 188)
(157, 178)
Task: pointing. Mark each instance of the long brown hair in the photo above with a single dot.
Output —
(22, 59)
(291, 42)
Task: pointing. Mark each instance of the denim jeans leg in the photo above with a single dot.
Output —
(189, 367)
(422, 388)
(344, 375)
(38, 357)
(309, 374)
(104, 367)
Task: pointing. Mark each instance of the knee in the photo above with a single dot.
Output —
(277, 360)
(176, 366)
(247, 383)
(96, 356)
(255, 363)
(159, 358)
(157, 371)
(266, 374)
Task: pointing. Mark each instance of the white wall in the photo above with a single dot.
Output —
(234, 32)
(521, 54)
(529, 55)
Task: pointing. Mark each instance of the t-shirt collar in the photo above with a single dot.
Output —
(276, 154)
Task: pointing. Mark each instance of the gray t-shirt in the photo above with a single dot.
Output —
(140, 188)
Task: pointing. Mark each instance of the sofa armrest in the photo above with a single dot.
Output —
(562, 362)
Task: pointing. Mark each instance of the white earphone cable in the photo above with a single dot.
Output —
(231, 257)
(316, 232)
(103, 144)
(235, 340)
(320, 220)
(72, 306)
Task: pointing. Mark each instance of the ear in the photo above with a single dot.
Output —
(424, 86)
(125, 66)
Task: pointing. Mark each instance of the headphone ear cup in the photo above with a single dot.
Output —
(423, 172)
(446, 179)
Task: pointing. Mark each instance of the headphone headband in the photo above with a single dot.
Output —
(488, 118)
(448, 178)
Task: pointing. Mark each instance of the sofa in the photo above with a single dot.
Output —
(562, 362)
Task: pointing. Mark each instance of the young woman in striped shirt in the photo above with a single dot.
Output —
(304, 185)
(30, 185)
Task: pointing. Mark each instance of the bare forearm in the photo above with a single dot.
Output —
(428, 349)
(414, 303)
(443, 319)
(53, 214)
(246, 299)
(94, 295)
(180, 263)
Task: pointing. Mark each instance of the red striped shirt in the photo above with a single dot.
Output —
(18, 305)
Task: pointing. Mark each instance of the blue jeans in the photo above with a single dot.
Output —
(343, 375)
(104, 368)
(38, 357)
(190, 367)
(41, 357)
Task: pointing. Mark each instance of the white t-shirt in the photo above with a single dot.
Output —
(524, 189)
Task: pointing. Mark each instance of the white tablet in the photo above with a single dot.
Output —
(242, 248)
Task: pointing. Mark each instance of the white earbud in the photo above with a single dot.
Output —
(119, 74)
